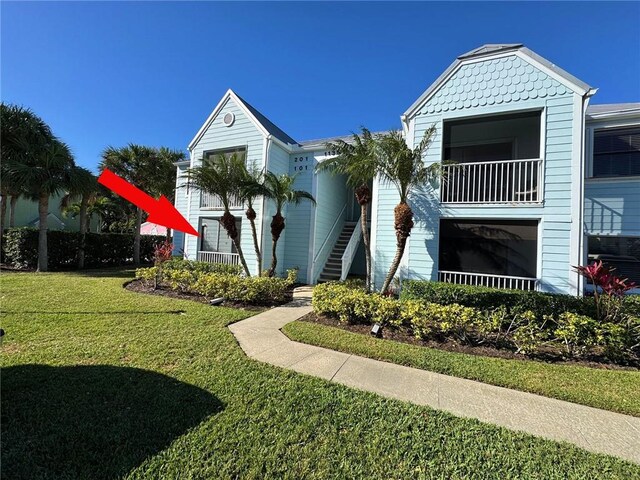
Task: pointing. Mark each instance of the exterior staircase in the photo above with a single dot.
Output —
(333, 268)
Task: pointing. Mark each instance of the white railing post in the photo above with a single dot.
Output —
(505, 181)
(350, 251)
(488, 280)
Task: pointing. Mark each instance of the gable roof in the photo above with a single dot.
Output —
(271, 127)
(491, 49)
(263, 124)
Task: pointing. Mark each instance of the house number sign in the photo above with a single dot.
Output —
(302, 164)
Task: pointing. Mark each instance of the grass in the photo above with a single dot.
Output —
(616, 390)
(102, 383)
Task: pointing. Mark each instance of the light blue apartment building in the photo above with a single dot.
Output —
(535, 180)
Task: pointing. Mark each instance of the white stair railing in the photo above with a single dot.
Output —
(350, 250)
(324, 251)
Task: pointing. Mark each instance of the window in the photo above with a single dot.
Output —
(495, 247)
(514, 136)
(621, 253)
(214, 238)
(227, 152)
(616, 152)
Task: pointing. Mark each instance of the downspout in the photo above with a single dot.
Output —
(583, 161)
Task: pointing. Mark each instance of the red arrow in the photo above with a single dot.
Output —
(160, 211)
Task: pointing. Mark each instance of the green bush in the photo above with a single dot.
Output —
(484, 298)
(101, 249)
(217, 280)
(524, 330)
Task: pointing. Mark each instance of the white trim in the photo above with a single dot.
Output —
(311, 265)
(590, 130)
(620, 179)
(539, 264)
(374, 227)
(229, 95)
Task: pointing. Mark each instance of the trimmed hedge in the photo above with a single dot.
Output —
(101, 249)
(516, 301)
(524, 330)
(218, 280)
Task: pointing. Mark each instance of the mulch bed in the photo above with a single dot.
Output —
(449, 345)
(141, 287)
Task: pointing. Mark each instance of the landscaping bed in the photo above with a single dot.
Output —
(404, 335)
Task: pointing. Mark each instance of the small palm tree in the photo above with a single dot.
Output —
(403, 167)
(357, 162)
(223, 176)
(251, 188)
(83, 186)
(279, 188)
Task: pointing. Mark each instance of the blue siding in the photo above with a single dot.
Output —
(488, 87)
(612, 207)
(180, 202)
(299, 216)
(243, 132)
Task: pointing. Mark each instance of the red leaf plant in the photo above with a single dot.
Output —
(162, 252)
(612, 286)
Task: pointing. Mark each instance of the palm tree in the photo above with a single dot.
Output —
(223, 177)
(403, 167)
(44, 174)
(251, 188)
(23, 135)
(164, 176)
(279, 188)
(83, 185)
(357, 162)
(136, 164)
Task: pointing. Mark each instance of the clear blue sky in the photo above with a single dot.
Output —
(111, 73)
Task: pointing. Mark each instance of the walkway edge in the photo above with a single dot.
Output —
(595, 430)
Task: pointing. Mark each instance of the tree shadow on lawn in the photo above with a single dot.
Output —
(93, 422)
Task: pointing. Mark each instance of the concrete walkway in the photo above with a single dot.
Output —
(590, 428)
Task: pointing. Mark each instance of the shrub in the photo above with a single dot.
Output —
(484, 298)
(216, 280)
(528, 335)
(101, 249)
(577, 332)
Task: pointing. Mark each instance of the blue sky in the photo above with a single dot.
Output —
(111, 73)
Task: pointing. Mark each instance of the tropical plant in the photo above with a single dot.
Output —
(223, 177)
(403, 167)
(45, 173)
(356, 160)
(83, 186)
(252, 187)
(23, 134)
(280, 189)
(608, 289)
(150, 169)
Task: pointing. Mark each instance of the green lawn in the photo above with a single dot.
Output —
(616, 390)
(99, 382)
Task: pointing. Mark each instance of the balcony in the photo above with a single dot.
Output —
(210, 201)
(494, 159)
(505, 181)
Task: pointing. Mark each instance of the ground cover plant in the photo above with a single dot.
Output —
(528, 323)
(107, 383)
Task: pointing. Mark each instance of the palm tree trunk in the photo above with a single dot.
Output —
(228, 221)
(136, 239)
(251, 215)
(168, 235)
(12, 210)
(367, 243)
(43, 213)
(403, 225)
(277, 226)
(84, 204)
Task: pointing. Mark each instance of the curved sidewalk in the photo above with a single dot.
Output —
(595, 430)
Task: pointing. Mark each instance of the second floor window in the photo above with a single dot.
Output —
(616, 152)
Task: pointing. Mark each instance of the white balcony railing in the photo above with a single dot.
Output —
(209, 201)
(219, 257)
(508, 181)
(488, 280)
